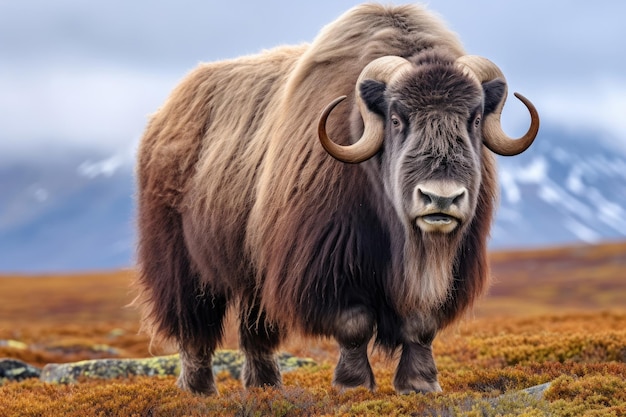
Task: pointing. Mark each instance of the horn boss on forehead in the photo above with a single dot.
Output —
(383, 69)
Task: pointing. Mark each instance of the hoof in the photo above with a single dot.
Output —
(421, 387)
(197, 385)
(349, 378)
(261, 373)
(342, 388)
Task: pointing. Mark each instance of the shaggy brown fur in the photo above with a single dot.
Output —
(239, 204)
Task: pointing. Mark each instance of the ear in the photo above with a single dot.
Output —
(494, 93)
(373, 94)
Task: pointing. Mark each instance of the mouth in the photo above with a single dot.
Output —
(439, 219)
(437, 222)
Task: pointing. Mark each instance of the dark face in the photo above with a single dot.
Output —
(431, 161)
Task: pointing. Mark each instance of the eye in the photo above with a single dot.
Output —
(477, 122)
(395, 121)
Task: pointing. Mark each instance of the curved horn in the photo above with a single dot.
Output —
(494, 137)
(381, 69)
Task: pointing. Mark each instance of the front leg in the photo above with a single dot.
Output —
(353, 330)
(417, 371)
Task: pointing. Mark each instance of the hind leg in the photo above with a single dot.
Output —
(258, 340)
(196, 350)
(175, 305)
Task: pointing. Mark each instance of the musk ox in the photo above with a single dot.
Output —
(379, 232)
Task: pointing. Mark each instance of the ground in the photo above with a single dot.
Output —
(554, 316)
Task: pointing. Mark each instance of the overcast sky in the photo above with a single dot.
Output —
(88, 73)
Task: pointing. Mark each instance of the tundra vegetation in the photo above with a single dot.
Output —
(553, 316)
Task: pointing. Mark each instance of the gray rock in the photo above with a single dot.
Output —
(512, 402)
(230, 361)
(538, 390)
(110, 368)
(15, 370)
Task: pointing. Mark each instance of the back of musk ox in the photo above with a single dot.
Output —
(385, 238)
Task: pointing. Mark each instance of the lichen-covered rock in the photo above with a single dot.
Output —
(14, 370)
(229, 361)
(510, 403)
(288, 362)
(537, 391)
(110, 368)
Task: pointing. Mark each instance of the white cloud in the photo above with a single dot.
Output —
(106, 167)
(592, 105)
(101, 108)
(41, 195)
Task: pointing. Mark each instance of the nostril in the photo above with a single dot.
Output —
(424, 196)
(459, 198)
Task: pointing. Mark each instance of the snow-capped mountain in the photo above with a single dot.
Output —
(76, 212)
(564, 189)
(66, 213)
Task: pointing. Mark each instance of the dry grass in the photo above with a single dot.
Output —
(556, 315)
